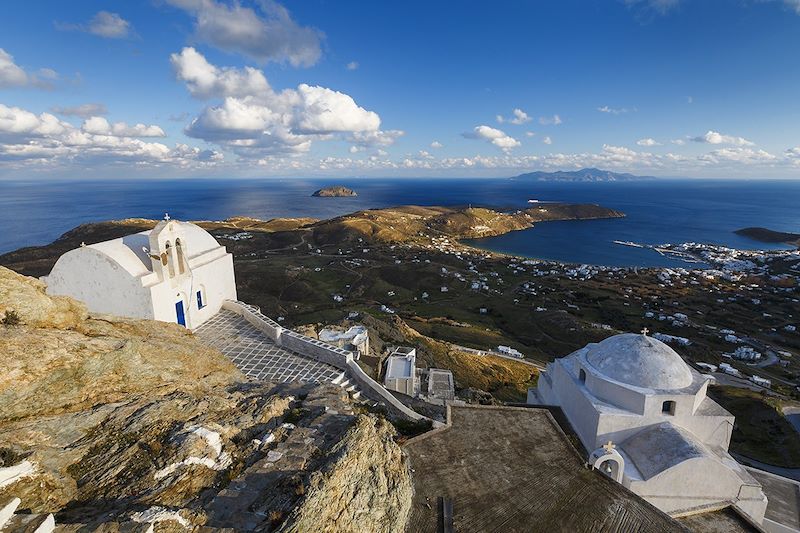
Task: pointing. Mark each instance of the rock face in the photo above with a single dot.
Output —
(25, 296)
(59, 360)
(336, 191)
(349, 491)
(116, 424)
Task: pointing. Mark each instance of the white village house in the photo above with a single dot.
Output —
(643, 416)
(176, 272)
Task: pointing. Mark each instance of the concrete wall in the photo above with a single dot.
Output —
(402, 385)
(101, 283)
(563, 389)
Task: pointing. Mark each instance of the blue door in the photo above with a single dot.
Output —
(179, 312)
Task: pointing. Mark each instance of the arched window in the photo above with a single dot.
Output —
(668, 408)
(582, 375)
(179, 248)
(170, 266)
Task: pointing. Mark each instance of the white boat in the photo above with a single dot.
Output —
(629, 243)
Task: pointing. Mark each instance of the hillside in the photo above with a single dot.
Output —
(114, 423)
(582, 175)
(403, 224)
(415, 223)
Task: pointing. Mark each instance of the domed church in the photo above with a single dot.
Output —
(643, 415)
(176, 272)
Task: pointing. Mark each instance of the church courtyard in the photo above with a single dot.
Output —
(257, 356)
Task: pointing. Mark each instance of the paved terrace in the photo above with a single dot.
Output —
(257, 356)
(512, 469)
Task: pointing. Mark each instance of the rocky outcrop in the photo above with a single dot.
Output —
(114, 424)
(26, 298)
(364, 486)
(58, 359)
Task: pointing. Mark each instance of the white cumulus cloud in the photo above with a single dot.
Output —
(12, 75)
(44, 140)
(265, 33)
(254, 119)
(547, 140)
(518, 117)
(648, 142)
(101, 126)
(436, 144)
(496, 137)
(714, 137)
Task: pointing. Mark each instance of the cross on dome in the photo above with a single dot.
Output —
(609, 447)
(645, 331)
(166, 216)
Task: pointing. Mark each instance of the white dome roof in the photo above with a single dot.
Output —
(640, 361)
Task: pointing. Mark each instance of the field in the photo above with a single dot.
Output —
(761, 432)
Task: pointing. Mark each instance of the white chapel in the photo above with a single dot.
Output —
(176, 272)
(644, 417)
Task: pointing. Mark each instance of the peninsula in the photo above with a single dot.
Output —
(770, 236)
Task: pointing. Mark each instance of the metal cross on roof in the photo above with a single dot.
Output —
(645, 331)
(609, 447)
(166, 216)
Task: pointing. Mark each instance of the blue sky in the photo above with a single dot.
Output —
(169, 88)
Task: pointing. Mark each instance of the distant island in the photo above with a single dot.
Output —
(334, 192)
(582, 175)
(768, 235)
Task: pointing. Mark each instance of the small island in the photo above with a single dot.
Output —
(336, 191)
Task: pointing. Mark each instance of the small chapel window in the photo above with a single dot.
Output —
(200, 302)
(582, 375)
(668, 408)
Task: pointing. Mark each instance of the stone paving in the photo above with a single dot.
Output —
(257, 356)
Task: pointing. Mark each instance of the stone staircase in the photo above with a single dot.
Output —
(348, 385)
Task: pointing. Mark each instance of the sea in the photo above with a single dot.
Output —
(658, 211)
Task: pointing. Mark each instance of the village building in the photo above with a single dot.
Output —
(176, 272)
(440, 384)
(401, 371)
(355, 338)
(644, 418)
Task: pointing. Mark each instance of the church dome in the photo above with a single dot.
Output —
(640, 361)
